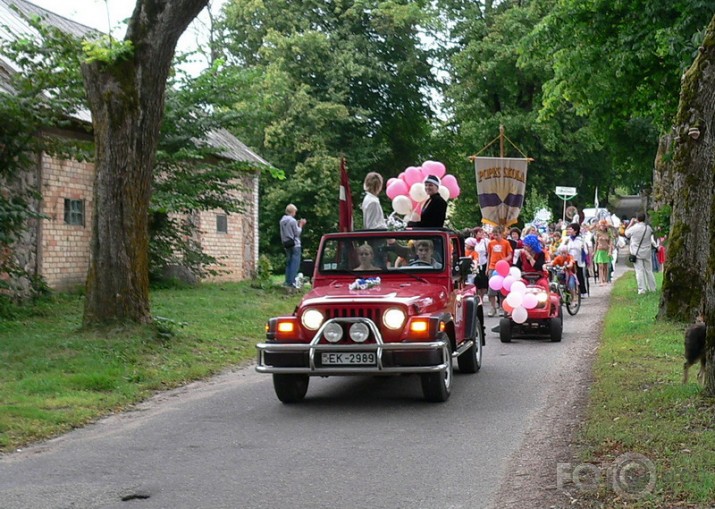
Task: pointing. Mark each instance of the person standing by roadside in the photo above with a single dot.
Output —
(373, 217)
(604, 247)
(291, 229)
(640, 236)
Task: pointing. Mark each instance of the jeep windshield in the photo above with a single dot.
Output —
(375, 255)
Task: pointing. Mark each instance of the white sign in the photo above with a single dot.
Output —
(566, 190)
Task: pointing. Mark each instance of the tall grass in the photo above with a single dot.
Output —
(55, 377)
(640, 405)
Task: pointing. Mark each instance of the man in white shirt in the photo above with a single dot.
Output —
(641, 242)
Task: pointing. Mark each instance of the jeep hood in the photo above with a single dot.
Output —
(407, 293)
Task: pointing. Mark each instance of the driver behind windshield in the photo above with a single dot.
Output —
(532, 259)
(425, 255)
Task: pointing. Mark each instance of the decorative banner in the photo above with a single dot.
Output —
(501, 185)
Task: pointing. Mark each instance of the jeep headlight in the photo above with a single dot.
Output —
(312, 319)
(359, 332)
(393, 318)
(541, 297)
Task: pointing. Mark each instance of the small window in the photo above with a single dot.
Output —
(221, 223)
(74, 212)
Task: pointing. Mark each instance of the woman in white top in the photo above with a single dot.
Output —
(373, 217)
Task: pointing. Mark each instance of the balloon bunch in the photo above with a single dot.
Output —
(407, 191)
(508, 281)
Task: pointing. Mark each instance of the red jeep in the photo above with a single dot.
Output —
(383, 302)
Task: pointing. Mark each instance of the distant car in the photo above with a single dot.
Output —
(546, 319)
(411, 311)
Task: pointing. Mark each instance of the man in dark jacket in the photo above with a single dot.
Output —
(434, 210)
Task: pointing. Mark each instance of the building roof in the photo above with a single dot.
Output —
(232, 148)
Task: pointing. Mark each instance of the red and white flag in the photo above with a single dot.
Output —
(345, 220)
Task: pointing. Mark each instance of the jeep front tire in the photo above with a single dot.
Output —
(436, 387)
(290, 388)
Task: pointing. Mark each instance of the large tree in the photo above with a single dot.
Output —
(689, 274)
(126, 83)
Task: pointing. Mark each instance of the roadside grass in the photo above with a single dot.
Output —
(55, 377)
(639, 405)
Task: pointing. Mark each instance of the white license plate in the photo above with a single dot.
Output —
(352, 358)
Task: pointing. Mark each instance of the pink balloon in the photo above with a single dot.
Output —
(397, 188)
(529, 301)
(434, 168)
(518, 287)
(390, 181)
(519, 315)
(450, 182)
(502, 268)
(412, 175)
(401, 176)
(508, 281)
(495, 282)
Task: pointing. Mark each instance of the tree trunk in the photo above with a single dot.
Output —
(688, 273)
(662, 194)
(126, 98)
(688, 279)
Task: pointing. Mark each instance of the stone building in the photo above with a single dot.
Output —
(57, 248)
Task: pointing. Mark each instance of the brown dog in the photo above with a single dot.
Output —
(695, 349)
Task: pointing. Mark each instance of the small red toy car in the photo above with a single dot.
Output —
(383, 302)
(546, 319)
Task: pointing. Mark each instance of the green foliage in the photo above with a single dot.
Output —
(620, 65)
(315, 82)
(495, 82)
(660, 220)
(264, 273)
(107, 50)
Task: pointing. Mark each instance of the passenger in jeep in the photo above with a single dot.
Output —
(366, 257)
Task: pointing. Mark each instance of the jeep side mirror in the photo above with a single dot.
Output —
(463, 267)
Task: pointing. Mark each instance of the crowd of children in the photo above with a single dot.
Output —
(586, 250)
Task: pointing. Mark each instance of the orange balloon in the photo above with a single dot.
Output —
(506, 306)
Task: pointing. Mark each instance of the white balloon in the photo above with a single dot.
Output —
(519, 315)
(402, 205)
(514, 299)
(518, 287)
(444, 192)
(515, 272)
(417, 192)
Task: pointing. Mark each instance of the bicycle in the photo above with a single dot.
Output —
(564, 283)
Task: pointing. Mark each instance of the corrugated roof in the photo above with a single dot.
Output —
(231, 147)
(17, 25)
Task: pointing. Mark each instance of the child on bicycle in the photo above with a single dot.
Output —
(566, 262)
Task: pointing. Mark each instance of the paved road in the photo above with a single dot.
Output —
(354, 443)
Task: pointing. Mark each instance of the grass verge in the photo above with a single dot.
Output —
(639, 406)
(54, 377)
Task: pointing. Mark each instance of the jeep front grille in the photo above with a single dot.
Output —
(371, 313)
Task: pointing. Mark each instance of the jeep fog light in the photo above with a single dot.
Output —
(393, 318)
(312, 319)
(359, 332)
(333, 332)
